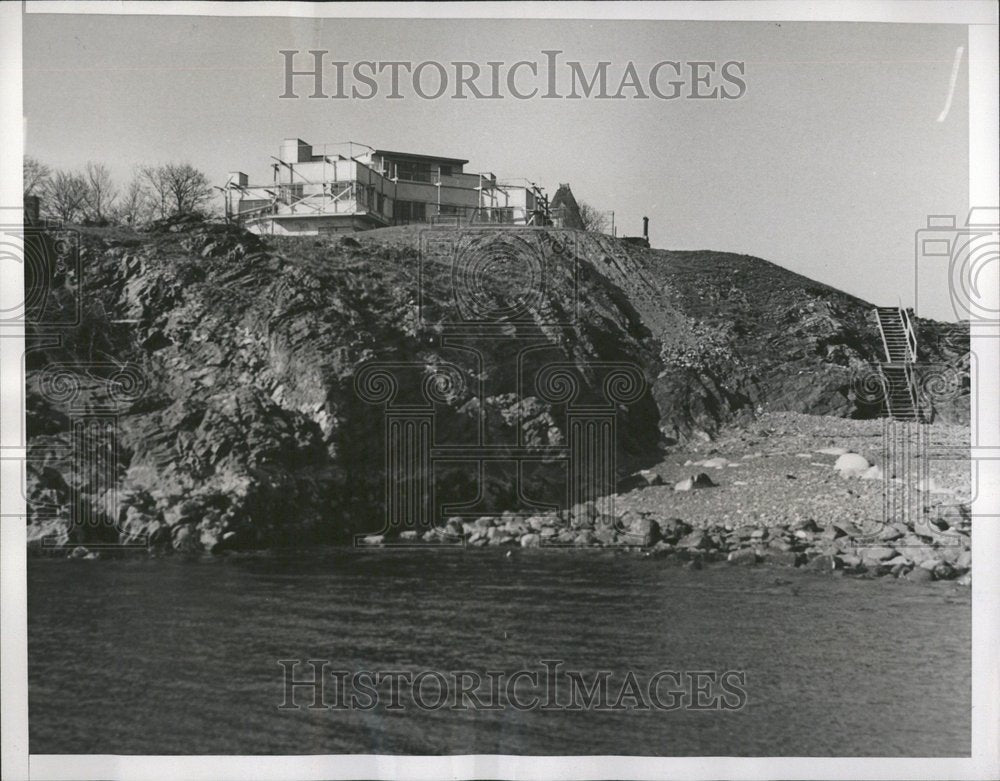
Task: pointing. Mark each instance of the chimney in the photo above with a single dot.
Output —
(645, 228)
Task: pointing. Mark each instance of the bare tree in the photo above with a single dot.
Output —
(177, 187)
(593, 219)
(65, 196)
(155, 184)
(36, 175)
(101, 191)
(134, 203)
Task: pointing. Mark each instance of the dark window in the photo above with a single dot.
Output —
(414, 172)
(411, 211)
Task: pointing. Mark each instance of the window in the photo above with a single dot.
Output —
(411, 211)
(414, 172)
(252, 204)
(291, 192)
(445, 170)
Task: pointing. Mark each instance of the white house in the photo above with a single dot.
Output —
(351, 186)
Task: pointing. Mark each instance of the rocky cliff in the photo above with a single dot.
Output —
(218, 390)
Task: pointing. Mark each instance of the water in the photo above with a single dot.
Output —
(167, 656)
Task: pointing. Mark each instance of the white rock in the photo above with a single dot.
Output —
(714, 463)
(929, 486)
(851, 465)
(873, 473)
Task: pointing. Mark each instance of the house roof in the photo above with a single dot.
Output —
(411, 156)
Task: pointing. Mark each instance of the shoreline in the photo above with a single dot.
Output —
(786, 491)
(814, 552)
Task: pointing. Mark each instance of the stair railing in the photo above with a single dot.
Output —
(911, 335)
(881, 331)
(911, 358)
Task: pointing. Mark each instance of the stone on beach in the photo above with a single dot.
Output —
(701, 480)
(872, 473)
(851, 465)
(643, 531)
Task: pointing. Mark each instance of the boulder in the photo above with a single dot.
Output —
(852, 465)
(605, 534)
(872, 473)
(745, 557)
(531, 541)
(184, 538)
(919, 575)
(643, 531)
(824, 563)
(454, 528)
(695, 540)
(944, 571)
(781, 558)
(700, 480)
(672, 529)
(876, 554)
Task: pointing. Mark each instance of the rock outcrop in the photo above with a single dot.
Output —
(225, 381)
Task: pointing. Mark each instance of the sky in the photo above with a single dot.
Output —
(827, 165)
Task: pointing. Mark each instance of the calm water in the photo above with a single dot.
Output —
(165, 656)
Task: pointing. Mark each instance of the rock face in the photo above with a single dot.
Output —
(227, 377)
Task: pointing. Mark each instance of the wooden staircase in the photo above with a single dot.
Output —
(902, 401)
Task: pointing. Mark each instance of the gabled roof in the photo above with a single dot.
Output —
(411, 156)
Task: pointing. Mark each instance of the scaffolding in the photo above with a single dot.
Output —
(353, 180)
